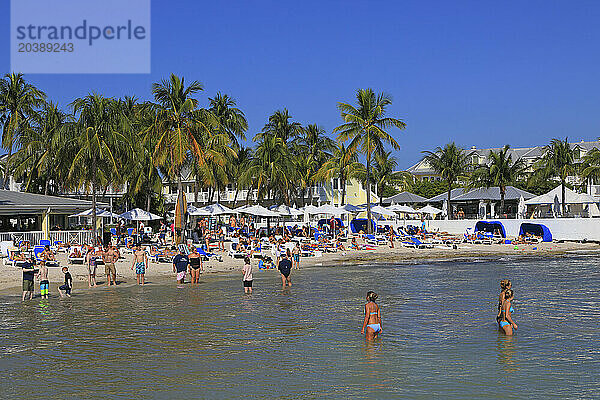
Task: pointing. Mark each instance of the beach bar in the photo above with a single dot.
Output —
(31, 217)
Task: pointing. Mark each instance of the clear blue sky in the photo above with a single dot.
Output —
(478, 73)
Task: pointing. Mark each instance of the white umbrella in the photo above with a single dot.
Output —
(445, 209)
(259, 211)
(212, 209)
(331, 210)
(284, 210)
(99, 213)
(402, 209)
(310, 209)
(137, 214)
(352, 209)
(521, 208)
(430, 210)
(240, 209)
(383, 211)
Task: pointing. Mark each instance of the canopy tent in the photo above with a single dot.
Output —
(259, 211)
(286, 211)
(331, 210)
(310, 210)
(383, 211)
(444, 196)
(536, 230)
(360, 224)
(212, 209)
(352, 208)
(137, 214)
(491, 227)
(241, 209)
(429, 210)
(402, 209)
(100, 213)
(571, 197)
(493, 194)
(404, 198)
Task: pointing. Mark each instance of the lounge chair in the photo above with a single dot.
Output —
(76, 260)
(234, 252)
(10, 260)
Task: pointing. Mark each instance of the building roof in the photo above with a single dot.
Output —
(444, 196)
(493, 193)
(14, 203)
(405, 198)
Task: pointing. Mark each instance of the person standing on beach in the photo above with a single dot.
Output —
(247, 275)
(110, 257)
(91, 263)
(296, 256)
(372, 322)
(140, 262)
(180, 265)
(285, 268)
(29, 273)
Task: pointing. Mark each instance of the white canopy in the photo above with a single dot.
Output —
(571, 197)
(100, 213)
(259, 211)
(137, 214)
(310, 209)
(331, 210)
(240, 209)
(352, 209)
(402, 209)
(286, 211)
(212, 209)
(430, 210)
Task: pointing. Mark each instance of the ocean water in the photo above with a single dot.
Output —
(439, 338)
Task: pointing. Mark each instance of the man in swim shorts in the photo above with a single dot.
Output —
(29, 272)
(180, 264)
(110, 255)
(44, 283)
(140, 262)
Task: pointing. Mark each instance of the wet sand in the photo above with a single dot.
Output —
(11, 277)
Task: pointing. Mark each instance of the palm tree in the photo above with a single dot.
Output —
(365, 126)
(279, 125)
(591, 164)
(238, 166)
(18, 101)
(343, 164)
(230, 120)
(42, 142)
(500, 171)
(100, 146)
(557, 161)
(451, 162)
(384, 175)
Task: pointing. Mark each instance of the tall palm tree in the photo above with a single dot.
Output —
(451, 162)
(365, 125)
(238, 166)
(557, 161)
(500, 171)
(591, 164)
(42, 142)
(280, 126)
(230, 120)
(100, 145)
(18, 101)
(384, 175)
(344, 165)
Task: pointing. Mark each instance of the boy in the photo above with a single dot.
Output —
(68, 283)
(29, 273)
(140, 262)
(44, 283)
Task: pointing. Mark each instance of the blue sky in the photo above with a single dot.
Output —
(477, 73)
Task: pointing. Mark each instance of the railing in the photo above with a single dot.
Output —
(34, 237)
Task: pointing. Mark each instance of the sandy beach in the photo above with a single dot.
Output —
(11, 277)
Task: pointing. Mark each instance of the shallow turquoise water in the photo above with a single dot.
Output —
(211, 341)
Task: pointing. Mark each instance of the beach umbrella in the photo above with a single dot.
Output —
(445, 209)
(212, 209)
(430, 210)
(137, 214)
(382, 211)
(331, 210)
(352, 209)
(310, 209)
(521, 208)
(287, 211)
(241, 209)
(402, 209)
(259, 211)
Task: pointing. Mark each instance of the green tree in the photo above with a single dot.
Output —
(365, 126)
(500, 171)
(18, 102)
(558, 161)
(230, 120)
(344, 165)
(100, 145)
(451, 162)
(591, 164)
(385, 177)
(280, 126)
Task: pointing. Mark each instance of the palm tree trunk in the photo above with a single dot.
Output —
(46, 186)
(6, 169)
(148, 200)
(180, 195)
(310, 195)
(564, 204)
(235, 196)
(369, 227)
(448, 208)
(94, 233)
(196, 189)
(343, 182)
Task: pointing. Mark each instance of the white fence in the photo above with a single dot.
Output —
(561, 228)
(34, 237)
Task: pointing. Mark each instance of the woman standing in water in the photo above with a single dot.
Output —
(506, 323)
(195, 265)
(505, 284)
(372, 322)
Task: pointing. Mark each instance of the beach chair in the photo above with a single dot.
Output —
(10, 259)
(375, 240)
(207, 256)
(234, 252)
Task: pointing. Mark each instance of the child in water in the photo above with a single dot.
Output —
(372, 323)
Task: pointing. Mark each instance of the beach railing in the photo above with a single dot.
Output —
(72, 237)
(32, 237)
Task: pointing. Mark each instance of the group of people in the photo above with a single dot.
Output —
(33, 268)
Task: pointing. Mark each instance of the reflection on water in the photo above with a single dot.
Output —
(440, 337)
